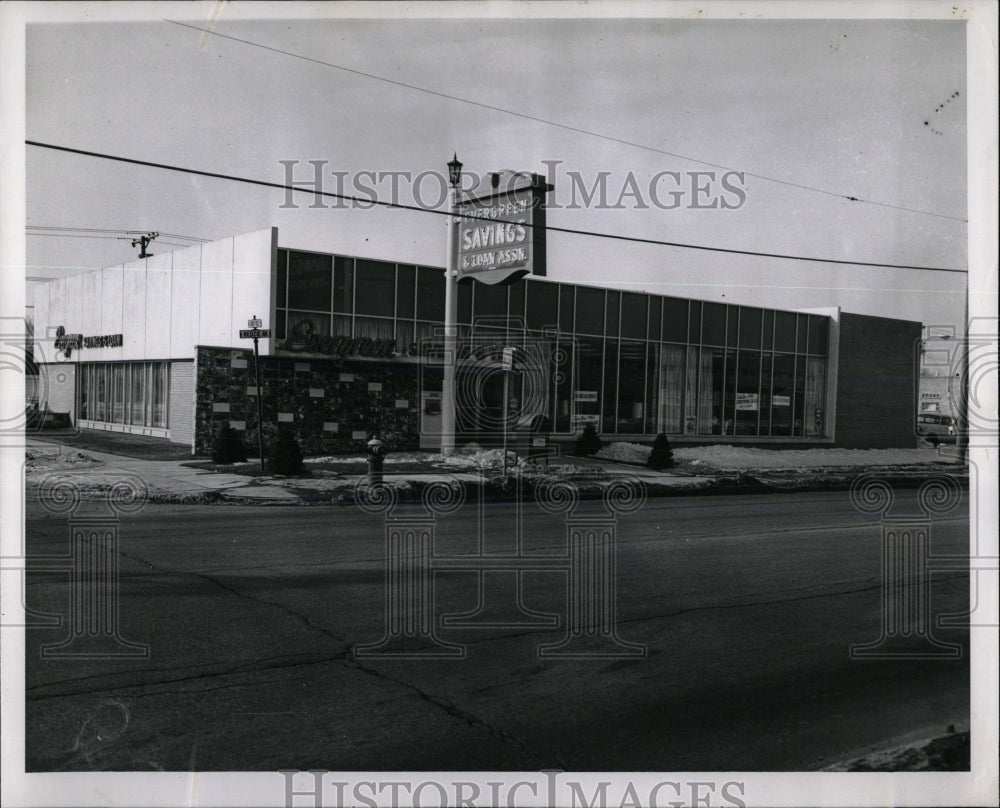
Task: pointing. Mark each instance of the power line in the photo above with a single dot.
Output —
(110, 230)
(376, 202)
(116, 238)
(578, 130)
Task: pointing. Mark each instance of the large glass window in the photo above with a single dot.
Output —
(782, 394)
(405, 280)
(489, 301)
(610, 387)
(671, 389)
(282, 278)
(784, 331)
(430, 294)
(378, 280)
(631, 386)
(589, 310)
(748, 393)
(309, 281)
(613, 311)
(815, 396)
(566, 308)
(819, 334)
(138, 384)
(750, 325)
(542, 306)
(563, 377)
(634, 315)
(675, 320)
(343, 285)
(713, 324)
(587, 387)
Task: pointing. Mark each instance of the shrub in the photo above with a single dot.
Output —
(588, 442)
(662, 456)
(286, 456)
(228, 447)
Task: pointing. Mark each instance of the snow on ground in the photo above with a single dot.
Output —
(742, 457)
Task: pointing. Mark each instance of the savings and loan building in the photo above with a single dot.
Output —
(152, 346)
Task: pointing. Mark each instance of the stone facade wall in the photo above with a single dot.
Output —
(331, 406)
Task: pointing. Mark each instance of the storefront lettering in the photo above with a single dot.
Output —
(67, 343)
(344, 346)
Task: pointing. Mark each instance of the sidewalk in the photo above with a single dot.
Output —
(93, 472)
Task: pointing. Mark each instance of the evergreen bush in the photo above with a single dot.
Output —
(662, 456)
(588, 442)
(228, 447)
(286, 456)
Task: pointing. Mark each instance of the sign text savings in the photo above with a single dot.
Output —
(495, 237)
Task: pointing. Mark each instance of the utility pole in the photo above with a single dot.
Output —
(142, 242)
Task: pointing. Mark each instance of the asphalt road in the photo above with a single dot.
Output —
(747, 607)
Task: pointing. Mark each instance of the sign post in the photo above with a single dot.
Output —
(255, 332)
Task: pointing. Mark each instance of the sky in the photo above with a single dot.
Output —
(812, 111)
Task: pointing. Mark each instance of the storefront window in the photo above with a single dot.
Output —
(589, 310)
(343, 285)
(373, 328)
(542, 305)
(631, 386)
(405, 281)
(612, 311)
(782, 393)
(634, 314)
(784, 331)
(609, 397)
(378, 279)
(652, 387)
(671, 390)
(750, 325)
(309, 281)
(567, 308)
(489, 301)
(430, 294)
(159, 374)
(303, 323)
(587, 384)
(748, 393)
(713, 324)
(118, 394)
(815, 396)
(563, 377)
(138, 385)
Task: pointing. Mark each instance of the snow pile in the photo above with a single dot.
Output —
(36, 461)
(740, 457)
(625, 452)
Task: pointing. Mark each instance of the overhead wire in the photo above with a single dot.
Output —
(422, 209)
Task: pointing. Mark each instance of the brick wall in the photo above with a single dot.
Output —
(877, 382)
(330, 406)
(182, 402)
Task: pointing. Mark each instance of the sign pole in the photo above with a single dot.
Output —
(260, 395)
(506, 417)
(450, 331)
(255, 332)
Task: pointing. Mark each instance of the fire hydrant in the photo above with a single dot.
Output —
(376, 454)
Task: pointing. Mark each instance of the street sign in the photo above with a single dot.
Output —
(255, 322)
(255, 333)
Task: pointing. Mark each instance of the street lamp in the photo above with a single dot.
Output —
(450, 313)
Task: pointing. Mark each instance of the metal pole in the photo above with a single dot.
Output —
(260, 395)
(506, 415)
(450, 331)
